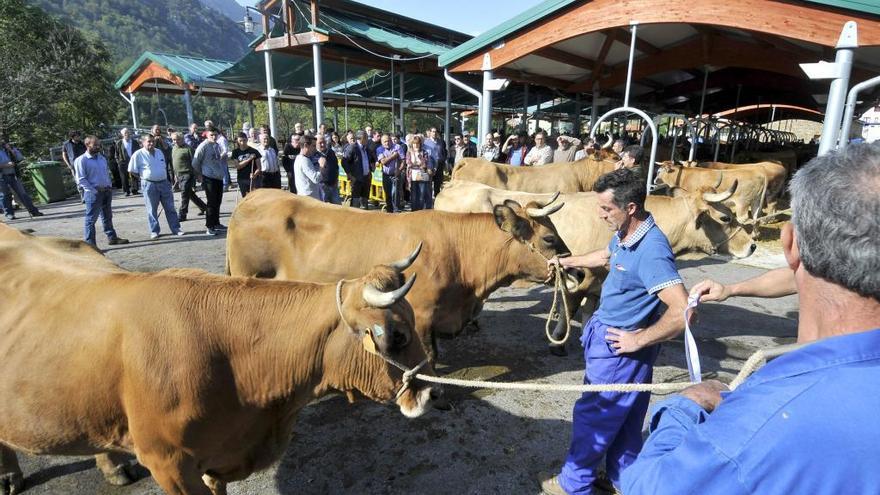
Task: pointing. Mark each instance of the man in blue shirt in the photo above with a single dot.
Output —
(621, 339)
(390, 156)
(807, 421)
(91, 176)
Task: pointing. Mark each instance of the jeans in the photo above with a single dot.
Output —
(390, 185)
(330, 194)
(607, 424)
(10, 184)
(227, 179)
(154, 194)
(422, 195)
(214, 196)
(98, 205)
(187, 183)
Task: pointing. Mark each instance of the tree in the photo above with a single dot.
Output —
(52, 78)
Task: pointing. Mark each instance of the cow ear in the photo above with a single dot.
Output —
(508, 221)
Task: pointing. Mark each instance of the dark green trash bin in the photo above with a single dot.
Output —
(48, 179)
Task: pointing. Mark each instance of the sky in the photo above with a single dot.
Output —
(466, 16)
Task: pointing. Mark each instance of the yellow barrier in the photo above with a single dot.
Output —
(377, 192)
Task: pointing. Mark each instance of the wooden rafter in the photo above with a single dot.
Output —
(816, 24)
(154, 71)
(564, 57)
(526, 77)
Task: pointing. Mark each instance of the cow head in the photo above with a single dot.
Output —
(713, 227)
(531, 227)
(377, 331)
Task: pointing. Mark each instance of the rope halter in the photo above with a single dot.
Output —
(409, 374)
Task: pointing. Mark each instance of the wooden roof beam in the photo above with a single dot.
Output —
(564, 57)
(526, 77)
(820, 25)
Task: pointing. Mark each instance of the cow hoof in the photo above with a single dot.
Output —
(558, 350)
(11, 483)
(119, 477)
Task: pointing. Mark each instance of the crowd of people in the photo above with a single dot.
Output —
(162, 162)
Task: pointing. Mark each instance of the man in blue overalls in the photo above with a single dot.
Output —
(620, 340)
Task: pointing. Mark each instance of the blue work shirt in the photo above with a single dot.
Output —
(804, 423)
(92, 172)
(639, 268)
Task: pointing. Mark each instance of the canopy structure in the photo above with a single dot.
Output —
(745, 52)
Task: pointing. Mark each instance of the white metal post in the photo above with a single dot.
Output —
(319, 85)
(187, 100)
(651, 126)
(400, 104)
(594, 109)
(849, 114)
(629, 68)
(447, 114)
(345, 78)
(251, 113)
(837, 94)
(524, 122)
(270, 91)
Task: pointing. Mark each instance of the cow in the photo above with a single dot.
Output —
(273, 234)
(694, 222)
(750, 191)
(200, 376)
(773, 171)
(568, 177)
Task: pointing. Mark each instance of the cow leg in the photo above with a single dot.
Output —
(11, 480)
(113, 467)
(216, 486)
(176, 474)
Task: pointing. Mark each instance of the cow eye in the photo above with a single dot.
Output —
(549, 239)
(724, 219)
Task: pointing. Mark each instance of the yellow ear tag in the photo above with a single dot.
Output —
(369, 343)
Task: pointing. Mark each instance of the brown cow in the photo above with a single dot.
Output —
(568, 177)
(694, 222)
(750, 191)
(465, 257)
(199, 375)
(774, 172)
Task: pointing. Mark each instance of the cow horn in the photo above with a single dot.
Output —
(405, 263)
(722, 196)
(378, 299)
(545, 211)
(720, 179)
(554, 198)
(608, 143)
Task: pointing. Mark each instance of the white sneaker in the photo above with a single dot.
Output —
(153, 236)
(211, 232)
(180, 233)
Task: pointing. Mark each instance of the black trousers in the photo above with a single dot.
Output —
(214, 196)
(438, 181)
(270, 180)
(187, 183)
(360, 191)
(125, 181)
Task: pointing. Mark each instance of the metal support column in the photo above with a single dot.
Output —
(524, 123)
(594, 108)
(837, 94)
(319, 85)
(629, 67)
(251, 113)
(134, 117)
(485, 123)
(270, 91)
(849, 114)
(735, 111)
(447, 114)
(577, 115)
(345, 78)
(400, 104)
(187, 100)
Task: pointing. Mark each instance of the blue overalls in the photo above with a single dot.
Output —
(609, 424)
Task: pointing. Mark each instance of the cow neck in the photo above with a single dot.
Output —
(495, 263)
(277, 345)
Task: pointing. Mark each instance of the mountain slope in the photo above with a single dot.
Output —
(129, 28)
(229, 8)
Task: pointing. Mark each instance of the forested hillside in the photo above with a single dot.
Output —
(129, 28)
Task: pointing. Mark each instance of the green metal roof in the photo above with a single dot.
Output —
(548, 7)
(404, 42)
(189, 69)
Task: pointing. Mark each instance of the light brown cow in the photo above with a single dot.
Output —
(465, 257)
(199, 375)
(750, 191)
(694, 222)
(774, 172)
(568, 177)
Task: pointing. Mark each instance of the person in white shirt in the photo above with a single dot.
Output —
(305, 173)
(269, 174)
(541, 153)
(149, 164)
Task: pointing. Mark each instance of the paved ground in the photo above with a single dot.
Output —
(490, 442)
